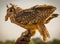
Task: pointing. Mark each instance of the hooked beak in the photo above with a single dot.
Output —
(6, 18)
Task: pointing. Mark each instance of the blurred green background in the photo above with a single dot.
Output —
(33, 41)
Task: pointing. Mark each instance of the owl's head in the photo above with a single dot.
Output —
(12, 10)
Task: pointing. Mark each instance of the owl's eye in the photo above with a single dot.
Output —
(11, 10)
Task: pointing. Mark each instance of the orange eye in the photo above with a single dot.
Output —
(11, 10)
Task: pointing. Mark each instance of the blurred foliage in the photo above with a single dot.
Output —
(33, 41)
(7, 42)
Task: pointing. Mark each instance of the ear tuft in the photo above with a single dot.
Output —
(7, 6)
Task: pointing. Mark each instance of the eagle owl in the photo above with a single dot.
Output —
(33, 18)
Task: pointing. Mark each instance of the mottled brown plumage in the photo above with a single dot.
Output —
(32, 18)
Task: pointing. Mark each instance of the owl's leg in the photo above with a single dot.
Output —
(49, 18)
(30, 31)
(43, 31)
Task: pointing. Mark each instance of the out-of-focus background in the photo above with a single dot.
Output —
(10, 31)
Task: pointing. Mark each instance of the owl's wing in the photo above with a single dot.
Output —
(44, 11)
(38, 14)
(50, 18)
(25, 17)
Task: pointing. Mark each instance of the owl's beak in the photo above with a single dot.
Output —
(6, 18)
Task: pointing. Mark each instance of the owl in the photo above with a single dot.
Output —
(33, 18)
